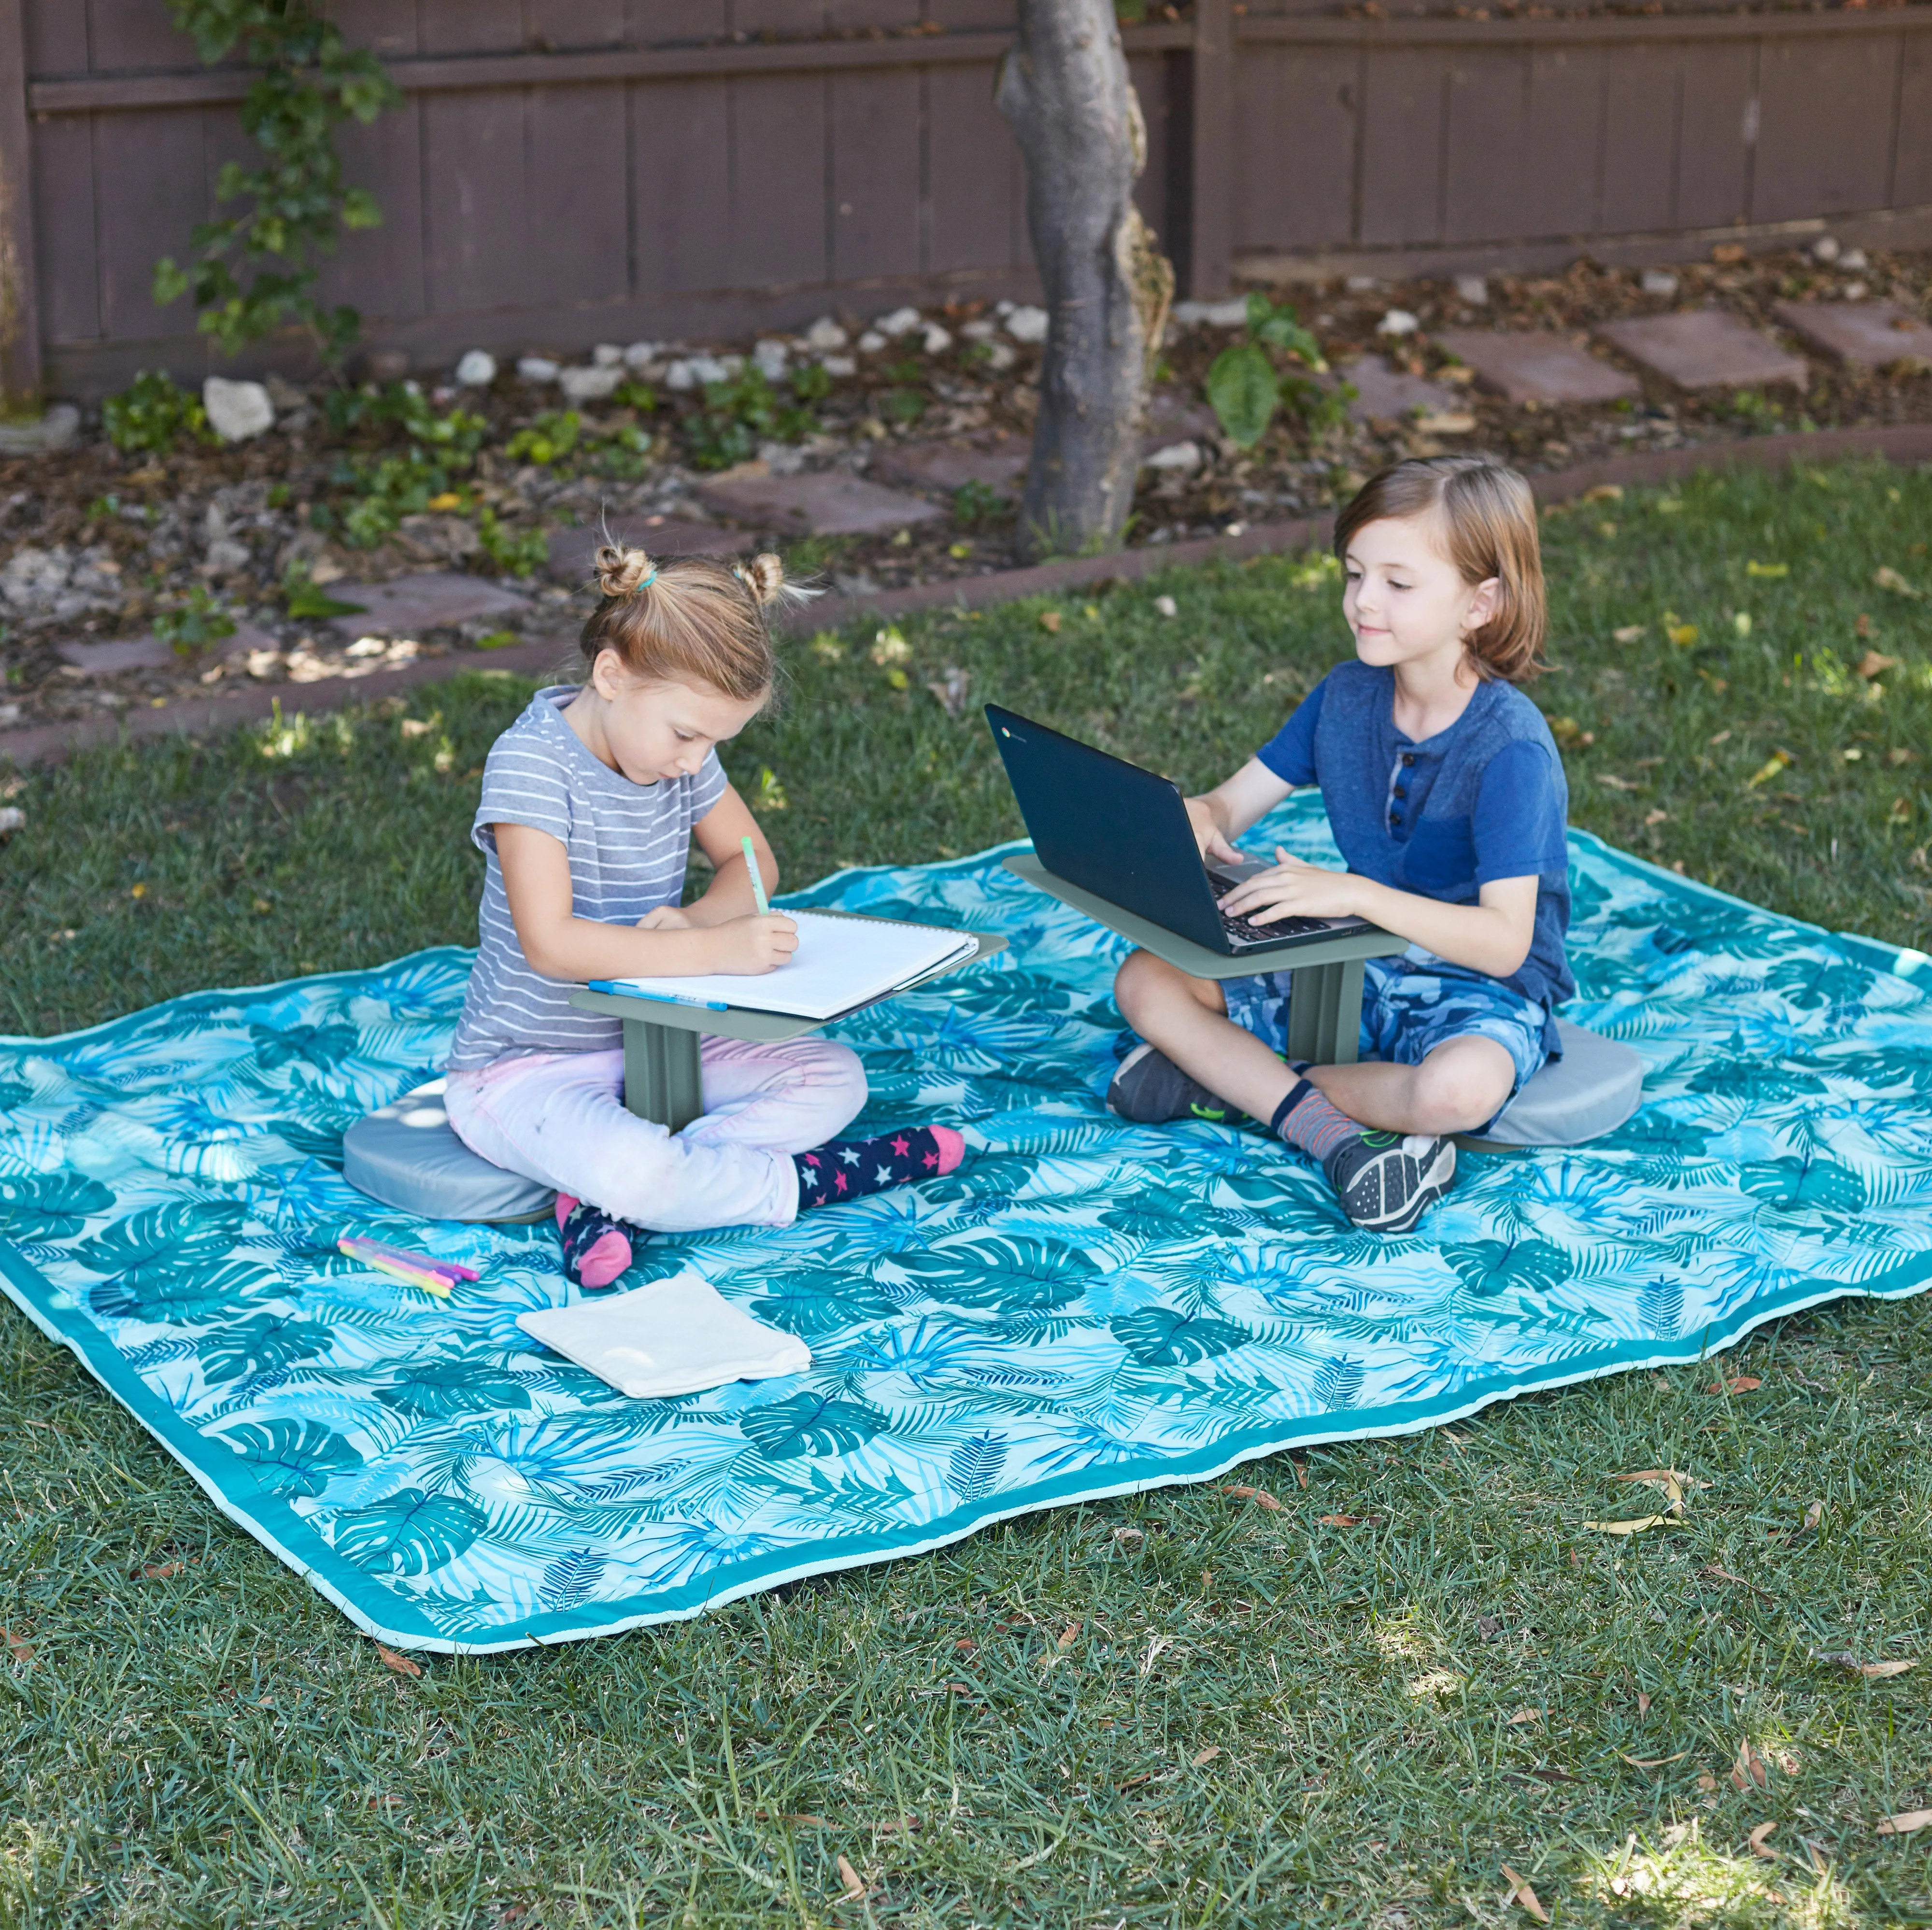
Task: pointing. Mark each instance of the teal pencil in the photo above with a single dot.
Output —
(764, 904)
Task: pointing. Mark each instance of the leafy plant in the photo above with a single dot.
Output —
(548, 439)
(974, 502)
(382, 489)
(154, 414)
(1246, 387)
(308, 82)
(307, 601)
(194, 623)
(514, 552)
(745, 410)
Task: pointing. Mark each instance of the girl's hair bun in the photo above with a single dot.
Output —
(622, 572)
(764, 577)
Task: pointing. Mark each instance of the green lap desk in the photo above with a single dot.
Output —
(1325, 1013)
(662, 1078)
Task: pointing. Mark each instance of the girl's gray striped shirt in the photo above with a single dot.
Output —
(628, 844)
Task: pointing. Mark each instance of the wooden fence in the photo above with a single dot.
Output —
(563, 172)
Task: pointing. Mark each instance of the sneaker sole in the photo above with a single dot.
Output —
(1432, 1183)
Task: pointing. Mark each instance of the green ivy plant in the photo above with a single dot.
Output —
(1246, 388)
(253, 273)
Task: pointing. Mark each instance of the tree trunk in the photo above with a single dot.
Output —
(1064, 88)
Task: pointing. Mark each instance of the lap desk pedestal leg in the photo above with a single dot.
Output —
(1325, 1012)
(663, 1079)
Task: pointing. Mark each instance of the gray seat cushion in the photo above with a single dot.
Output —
(407, 1155)
(1592, 1090)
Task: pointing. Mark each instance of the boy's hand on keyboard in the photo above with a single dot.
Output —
(1295, 890)
(1208, 834)
(755, 944)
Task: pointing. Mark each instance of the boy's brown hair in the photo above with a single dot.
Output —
(688, 620)
(1489, 523)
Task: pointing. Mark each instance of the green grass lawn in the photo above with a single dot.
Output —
(1182, 1709)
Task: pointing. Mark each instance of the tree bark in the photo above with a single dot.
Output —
(1063, 87)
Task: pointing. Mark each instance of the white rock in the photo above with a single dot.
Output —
(826, 334)
(1028, 324)
(840, 367)
(10, 714)
(237, 411)
(1473, 290)
(1362, 284)
(1175, 456)
(477, 370)
(714, 368)
(227, 557)
(937, 340)
(1853, 260)
(538, 369)
(1002, 308)
(12, 817)
(781, 458)
(641, 355)
(1825, 248)
(33, 577)
(900, 322)
(590, 384)
(1658, 281)
(1167, 606)
(771, 357)
(607, 354)
(998, 357)
(870, 342)
(981, 330)
(1397, 321)
(1230, 314)
(1855, 291)
(680, 376)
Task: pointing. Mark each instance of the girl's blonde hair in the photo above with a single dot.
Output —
(690, 619)
(1489, 516)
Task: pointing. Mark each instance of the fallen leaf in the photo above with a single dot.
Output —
(1630, 633)
(1642, 1703)
(20, 1648)
(1524, 1715)
(1717, 1573)
(855, 1884)
(1049, 621)
(1768, 769)
(1340, 1520)
(1519, 1892)
(1605, 492)
(1611, 781)
(1886, 577)
(1636, 1526)
(1721, 737)
(805, 1820)
(1068, 1636)
(1754, 567)
(161, 1571)
(1758, 1842)
(1154, 1647)
(1207, 1755)
(1884, 1671)
(1905, 1822)
(1301, 1471)
(1667, 1481)
(966, 1646)
(1259, 1497)
(1682, 635)
(1819, 1861)
(1127, 1536)
(1863, 627)
(1750, 1768)
(950, 688)
(1653, 1762)
(1872, 664)
(1813, 1515)
(907, 1825)
(1707, 1782)
(1743, 1383)
(1446, 422)
(401, 1665)
(1651, 817)
(1727, 255)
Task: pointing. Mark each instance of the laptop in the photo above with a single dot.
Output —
(1124, 834)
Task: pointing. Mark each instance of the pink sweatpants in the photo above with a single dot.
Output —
(559, 1118)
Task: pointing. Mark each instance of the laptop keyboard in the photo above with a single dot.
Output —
(1245, 931)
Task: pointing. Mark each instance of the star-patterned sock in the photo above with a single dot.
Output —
(596, 1247)
(845, 1169)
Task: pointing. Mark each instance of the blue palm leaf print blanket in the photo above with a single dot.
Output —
(1086, 1308)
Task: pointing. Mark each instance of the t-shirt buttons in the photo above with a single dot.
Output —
(1408, 757)
(1402, 790)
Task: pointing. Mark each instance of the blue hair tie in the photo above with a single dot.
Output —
(645, 582)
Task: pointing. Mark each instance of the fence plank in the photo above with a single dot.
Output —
(152, 165)
(1716, 133)
(954, 14)
(1912, 166)
(56, 35)
(476, 213)
(652, 21)
(1563, 143)
(384, 29)
(680, 145)
(1487, 145)
(875, 174)
(1147, 75)
(380, 271)
(20, 344)
(126, 34)
(1640, 90)
(470, 26)
(777, 180)
(573, 23)
(66, 244)
(1402, 140)
(1825, 142)
(578, 247)
(778, 17)
(973, 173)
(1295, 132)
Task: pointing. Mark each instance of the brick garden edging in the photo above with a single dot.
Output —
(1905, 443)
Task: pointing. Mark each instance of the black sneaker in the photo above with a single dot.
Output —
(1386, 1181)
(1150, 1089)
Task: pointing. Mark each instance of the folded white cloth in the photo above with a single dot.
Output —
(676, 1336)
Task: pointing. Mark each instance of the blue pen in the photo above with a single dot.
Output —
(662, 997)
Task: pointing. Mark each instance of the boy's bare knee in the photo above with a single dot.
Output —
(1457, 1093)
(1137, 985)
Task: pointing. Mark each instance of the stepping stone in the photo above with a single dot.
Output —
(830, 503)
(1875, 334)
(1705, 348)
(436, 600)
(150, 652)
(1541, 367)
(572, 552)
(1393, 395)
(998, 463)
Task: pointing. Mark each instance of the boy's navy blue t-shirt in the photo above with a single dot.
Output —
(1485, 798)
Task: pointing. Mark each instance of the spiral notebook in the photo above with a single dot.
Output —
(840, 963)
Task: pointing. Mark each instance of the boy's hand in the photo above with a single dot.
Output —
(1208, 834)
(1295, 890)
(667, 918)
(755, 944)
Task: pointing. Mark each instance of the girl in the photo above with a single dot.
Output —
(1446, 795)
(590, 800)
